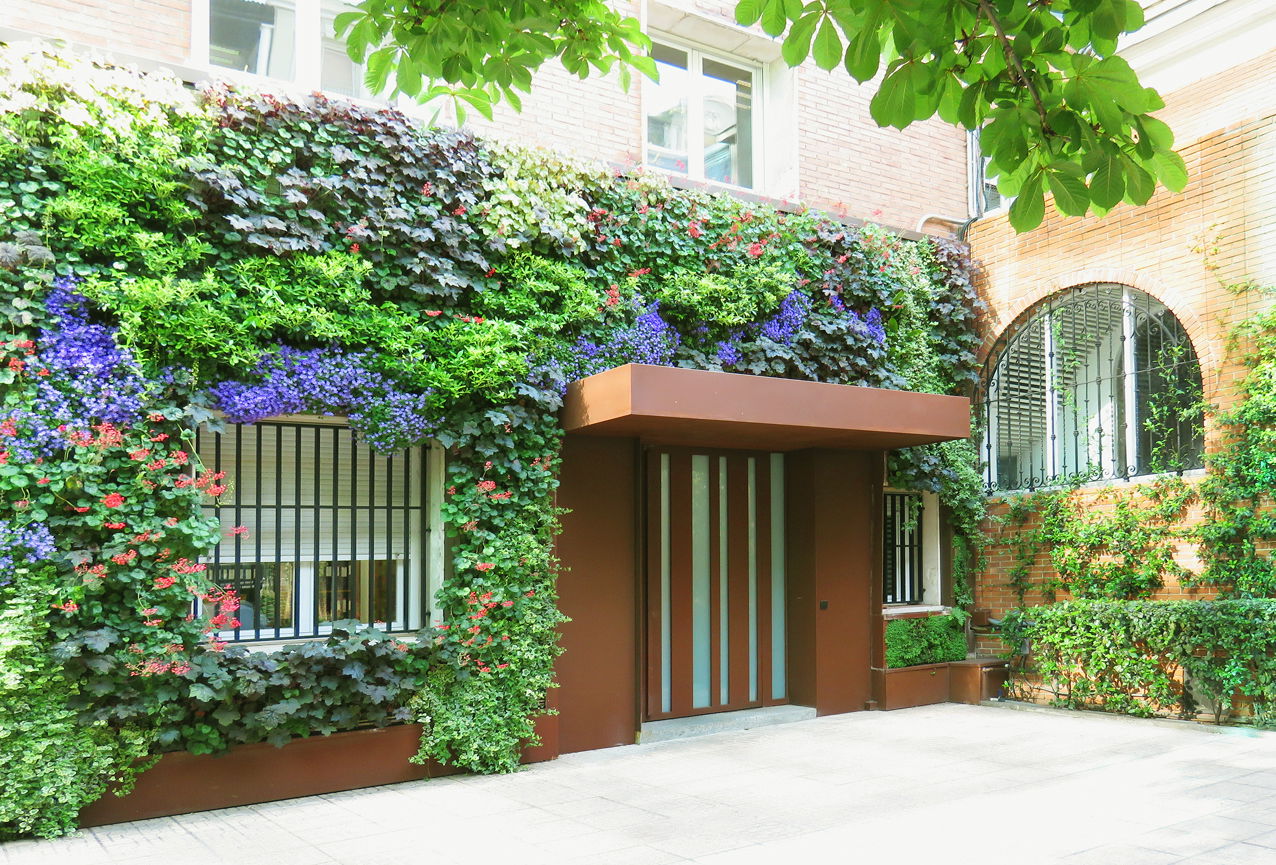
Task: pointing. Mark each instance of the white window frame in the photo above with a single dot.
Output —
(696, 54)
(311, 28)
(977, 177)
(932, 582)
(427, 576)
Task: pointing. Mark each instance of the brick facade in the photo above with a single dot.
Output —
(1181, 249)
(155, 29)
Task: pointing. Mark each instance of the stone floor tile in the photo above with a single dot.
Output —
(1239, 853)
(1226, 828)
(1122, 854)
(628, 856)
(808, 791)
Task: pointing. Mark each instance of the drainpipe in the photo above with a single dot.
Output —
(963, 225)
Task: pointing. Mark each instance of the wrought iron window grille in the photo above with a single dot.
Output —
(332, 530)
(1097, 383)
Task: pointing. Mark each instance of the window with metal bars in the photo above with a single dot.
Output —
(331, 529)
(902, 549)
(1099, 382)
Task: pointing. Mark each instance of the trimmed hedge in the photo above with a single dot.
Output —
(928, 640)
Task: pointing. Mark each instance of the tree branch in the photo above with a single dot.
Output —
(1013, 59)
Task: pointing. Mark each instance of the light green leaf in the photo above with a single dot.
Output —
(797, 45)
(864, 54)
(747, 12)
(1170, 170)
(773, 18)
(1029, 208)
(1139, 184)
(1070, 194)
(828, 46)
(895, 100)
(1107, 185)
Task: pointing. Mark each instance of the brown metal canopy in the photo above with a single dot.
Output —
(669, 405)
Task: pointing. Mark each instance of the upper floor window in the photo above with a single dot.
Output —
(253, 36)
(701, 116)
(1099, 383)
(316, 528)
(290, 40)
(984, 195)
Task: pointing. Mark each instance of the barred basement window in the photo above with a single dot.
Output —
(334, 530)
(1100, 382)
(902, 549)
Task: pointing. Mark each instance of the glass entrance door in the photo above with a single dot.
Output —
(715, 581)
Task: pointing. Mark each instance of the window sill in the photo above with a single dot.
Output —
(912, 611)
(1189, 474)
(264, 646)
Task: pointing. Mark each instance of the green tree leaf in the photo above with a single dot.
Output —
(828, 46)
(1029, 207)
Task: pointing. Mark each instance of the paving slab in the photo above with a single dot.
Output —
(951, 783)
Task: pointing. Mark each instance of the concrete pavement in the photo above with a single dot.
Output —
(948, 783)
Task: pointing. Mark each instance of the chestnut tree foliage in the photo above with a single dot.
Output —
(1059, 110)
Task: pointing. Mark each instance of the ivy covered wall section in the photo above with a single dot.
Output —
(166, 255)
(1155, 598)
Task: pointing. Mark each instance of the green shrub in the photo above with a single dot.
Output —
(1133, 657)
(927, 640)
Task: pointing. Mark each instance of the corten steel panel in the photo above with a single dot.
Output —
(598, 588)
(182, 783)
(833, 506)
(669, 405)
(906, 687)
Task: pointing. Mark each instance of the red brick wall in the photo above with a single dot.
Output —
(853, 167)
(1226, 129)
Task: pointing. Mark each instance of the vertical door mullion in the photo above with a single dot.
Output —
(678, 602)
(763, 516)
(715, 606)
(695, 116)
(737, 555)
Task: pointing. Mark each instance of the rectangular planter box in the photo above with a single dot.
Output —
(905, 687)
(975, 680)
(181, 783)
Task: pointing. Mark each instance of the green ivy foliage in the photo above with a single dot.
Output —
(1238, 535)
(925, 640)
(211, 232)
(1112, 544)
(52, 763)
(1150, 657)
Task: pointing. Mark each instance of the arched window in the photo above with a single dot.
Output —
(1099, 382)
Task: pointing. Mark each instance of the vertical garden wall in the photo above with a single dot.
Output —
(169, 258)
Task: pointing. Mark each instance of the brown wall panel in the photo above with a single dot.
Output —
(833, 521)
(598, 588)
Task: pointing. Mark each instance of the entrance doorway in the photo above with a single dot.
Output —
(715, 599)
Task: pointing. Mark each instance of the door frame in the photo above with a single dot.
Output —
(651, 599)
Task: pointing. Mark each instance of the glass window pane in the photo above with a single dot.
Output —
(665, 105)
(337, 72)
(256, 37)
(728, 123)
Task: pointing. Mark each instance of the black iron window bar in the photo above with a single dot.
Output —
(902, 550)
(1098, 383)
(333, 530)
